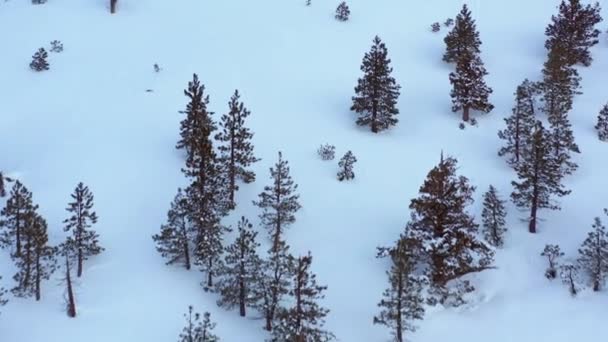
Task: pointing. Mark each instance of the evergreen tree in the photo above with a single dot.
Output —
(539, 177)
(594, 254)
(3, 300)
(197, 330)
(237, 151)
(14, 217)
(173, 241)
(520, 123)
(402, 302)
(37, 261)
(493, 216)
(3, 181)
(377, 92)
(569, 273)
(274, 282)
(39, 62)
(469, 88)
(346, 167)
(553, 253)
(279, 202)
(342, 12)
(602, 124)
(197, 116)
(574, 30)
(463, 40)
(209, 250)
(242, 266)
(305, 319)
(445, 233)
(84, 241)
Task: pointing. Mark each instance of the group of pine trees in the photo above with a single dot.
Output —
(24, 232)
(194, 233)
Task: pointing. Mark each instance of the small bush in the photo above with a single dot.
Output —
(342, 12)
(39, 62)
(461, 125)
(435, 27)
(448, 22)
(56, 46)
(327, 152)
(157, 68)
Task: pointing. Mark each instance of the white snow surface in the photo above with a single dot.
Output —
(90, 119)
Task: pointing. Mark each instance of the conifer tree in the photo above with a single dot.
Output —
(3, 299)
(237, 149)
(342, 12)
(594, 254)
(402, 302)
(37, 260)
(377, 92)
(539, 177)
(197, 330)
(84, 241)
(304, 320)
(493, 217)
(209, 250)
(552, 253)
(520, 123)
(3, 182)
(14, 217)
(569, 273)
(346, 167)
(445, 233)
(39, 62)
(574, 30)
(241, 270)
(173, 241)
(602, 124)
(470, 91)
(197, 116)
(279, 202)
(463, 40)
(274, 282)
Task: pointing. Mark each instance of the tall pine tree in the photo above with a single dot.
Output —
(241, 270)
(469, 90)
(539, 176)
(279, 202)
(520, 123)
(594, 254)
(574, 30)
(18, 208)
(463, 40)
(377, 92)
(445, 233)
(493, 216)
(173, 241)
(304, 320)
(84, 241)
(237, 149)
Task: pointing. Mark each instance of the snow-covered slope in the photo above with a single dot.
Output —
(90, 119)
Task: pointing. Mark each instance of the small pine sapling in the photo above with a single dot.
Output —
(435, 27)
(602, 124)
(39, 62)
(493, 216)
(553, 253)
(327, 152)
(56, 46)
(569, 273)
(594, 255)
(342, 12)
(197, 330)
(346, 167)
(448, 22)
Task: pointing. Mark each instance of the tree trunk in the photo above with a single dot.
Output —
(186, 255)
(71, 302)
(18, 235)
(210, 275)
(532, 224)
(232, 170)
(37, 277)
(113, 6)
(242, 293)
(80, 260)
(596, 285)
(399, 326)
(465, 113)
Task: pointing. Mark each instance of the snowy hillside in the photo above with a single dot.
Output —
(90, 118)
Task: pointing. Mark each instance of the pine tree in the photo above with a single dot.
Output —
(304, 320)
(65, 251)
(18, 206)
(279, 202)
(84, 241)
(197, 116)
(173, 241)
(493, 216)
(242, 266)
(274, 282)
(342, 12)
(197, 330)
(553, 253)
(3, 181)
(463, 40)
(209, 250)
(539, 177)
(602, 124)
(39, 62)
(469, 88)
(3, 300)
(444, 232)
(402, 302)
(594, 254)
(377, 92)
(37, 261)
(569, 273)
(237, 151)
(574, 30)
(346, 167)
(520, 123)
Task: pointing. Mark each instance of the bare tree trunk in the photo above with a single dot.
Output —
(80, 260)
(186, 255)
(465, 114)
(399, 332)
(37, 277)
(71, 302)
(113, 6)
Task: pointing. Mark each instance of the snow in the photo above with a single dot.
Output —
(90, 119)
